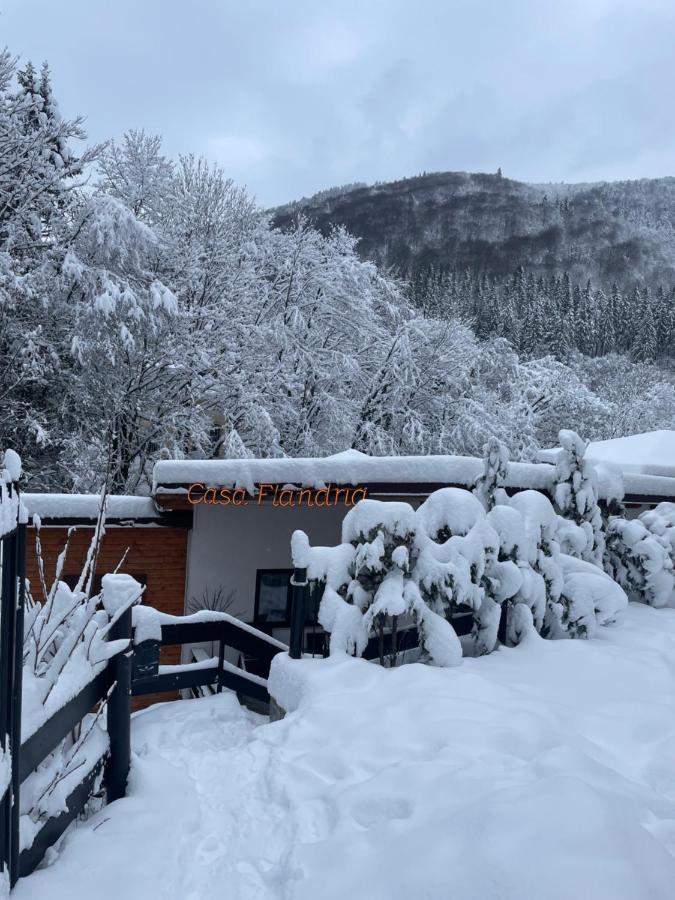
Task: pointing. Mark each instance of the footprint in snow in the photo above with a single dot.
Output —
(370, 813)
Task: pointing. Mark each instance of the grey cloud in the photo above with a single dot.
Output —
(291, 97)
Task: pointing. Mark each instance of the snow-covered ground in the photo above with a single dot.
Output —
(543, 771)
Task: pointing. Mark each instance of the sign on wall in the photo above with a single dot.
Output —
(276, 495)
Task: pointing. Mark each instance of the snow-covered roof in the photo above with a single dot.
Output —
(349, 467)
(645, 485)
(352, 467)
(651, 453)
(86, 506)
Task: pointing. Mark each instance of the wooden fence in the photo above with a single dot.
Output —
(405, 639)
(113, 683)
(149, 677)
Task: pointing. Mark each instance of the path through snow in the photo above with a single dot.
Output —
(544, 772)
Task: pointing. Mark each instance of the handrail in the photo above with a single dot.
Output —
(150, 677)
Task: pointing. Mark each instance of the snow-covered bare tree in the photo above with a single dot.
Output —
(38, 175)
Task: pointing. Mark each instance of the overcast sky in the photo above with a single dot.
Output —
(293, 96)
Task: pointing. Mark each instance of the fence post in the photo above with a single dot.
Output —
(298, 607)
(119, 713)
(503, 621)
(20, 581)
(12, 550)
(7, 607)
(221, 661)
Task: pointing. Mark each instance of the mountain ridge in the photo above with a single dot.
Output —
(621, 231)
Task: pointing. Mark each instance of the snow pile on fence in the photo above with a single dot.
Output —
(9, 500)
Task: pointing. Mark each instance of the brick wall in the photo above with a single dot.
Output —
(158, 553)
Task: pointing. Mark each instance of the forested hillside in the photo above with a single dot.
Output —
(552, 268)
(622, 232)
(149, 309)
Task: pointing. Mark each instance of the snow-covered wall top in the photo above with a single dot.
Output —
(651, 453)
(86, 506)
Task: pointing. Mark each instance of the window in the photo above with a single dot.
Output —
(273, 596)
(273, 592)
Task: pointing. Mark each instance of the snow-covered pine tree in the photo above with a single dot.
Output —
(495, 469)
(383, 537)
(458, 567)
(645, 338)
(369, 582)
(575, 494)
(640, 555)
(526, 607)
(543, 553)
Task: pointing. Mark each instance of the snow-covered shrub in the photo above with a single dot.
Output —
(437, 638)
(330, 566)
(444, 559)
(451, 553)
(641, 560)
(590, 596)
(576, 496)
(568, 611)
(65, 646)
(501, 581)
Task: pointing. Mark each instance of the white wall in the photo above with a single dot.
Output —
(227, 545)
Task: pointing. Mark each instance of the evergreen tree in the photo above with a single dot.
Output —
(384, 554)
(664, 313)
(603, 324)
(495, 469)
(575, 494)
(644, 346)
